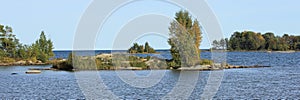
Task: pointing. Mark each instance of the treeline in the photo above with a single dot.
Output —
(249, 40)
(12, 50)
(136, 48)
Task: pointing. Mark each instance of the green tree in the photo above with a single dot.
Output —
(235, 41)
(270, 41)
(147, 47)
(197, 35)
(221, 44)
(227, 44)
(136, 48)
(50, 48)
(8, 41)
(43, 48)
(140, 49)
(215, 44)
(185, 38)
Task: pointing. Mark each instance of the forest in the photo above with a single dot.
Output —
(255, 41)
(11, 50)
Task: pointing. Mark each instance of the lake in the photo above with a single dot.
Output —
(281, 81)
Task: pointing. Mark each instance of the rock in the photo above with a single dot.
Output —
(30, 62)
(40, 68)
(39, 62)
(20, 62)
(109, 56)
(131, 68)
(143, 60)
(14, 73)
(33, 72)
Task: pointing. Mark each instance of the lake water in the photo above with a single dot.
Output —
(281, 81)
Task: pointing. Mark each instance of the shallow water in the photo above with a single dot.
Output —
(281, 81)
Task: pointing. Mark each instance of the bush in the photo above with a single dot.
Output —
(42, 57)
(7, 60)
(138, 64)
(63, 66)
(206, 62)
(173, 64)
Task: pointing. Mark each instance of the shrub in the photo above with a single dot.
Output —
(206, 62)
(7, 60)
(63, 66)
(138, 64)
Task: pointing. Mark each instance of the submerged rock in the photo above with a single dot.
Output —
(14, 73)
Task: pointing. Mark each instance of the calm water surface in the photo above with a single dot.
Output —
(281, 81)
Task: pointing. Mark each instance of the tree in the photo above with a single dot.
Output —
(235, 41)
(261, 41)
(198, 35)
(136, 48)
(43, 48)
(148, 48)
(8, 41)
(221, 44)
(185, 39)
(270, 41)
(215, 44)
(249, 40)
(11, 47)
(227, 44)
(50, 48)
(140, 49)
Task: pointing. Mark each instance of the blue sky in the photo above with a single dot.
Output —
(59, 19)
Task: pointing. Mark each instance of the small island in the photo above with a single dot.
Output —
(136, 48)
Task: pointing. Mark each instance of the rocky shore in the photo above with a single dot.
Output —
(23, 63)
(217, 67)
(153, 63)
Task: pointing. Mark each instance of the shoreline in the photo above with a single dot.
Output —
(199, 68)
(12, 64)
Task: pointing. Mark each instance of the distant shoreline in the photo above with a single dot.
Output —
(13, 64)
(204, 50)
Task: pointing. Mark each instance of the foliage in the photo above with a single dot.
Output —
(136, 48)
(206, 62)
(249, 40)
(8, 41)
(220, 45)
(104, 65)
(44, 48)
(70, 58)
(11, 48)
(185, 39)
(138, 64)
(64, 65)
(7, 60)
(135, 61)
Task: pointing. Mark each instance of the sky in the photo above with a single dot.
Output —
(59, 19)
